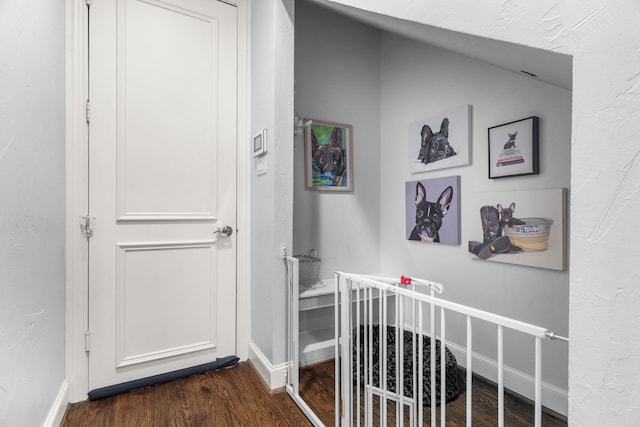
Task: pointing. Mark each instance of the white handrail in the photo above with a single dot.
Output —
(463, 309)
(405, 281)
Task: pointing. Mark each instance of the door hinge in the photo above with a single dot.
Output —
(87, 111)
(87, 340)
(86, 227)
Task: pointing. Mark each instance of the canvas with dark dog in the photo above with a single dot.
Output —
(429, 215)
(330, 158)
(441, 140)
(328, 164)
(435, 146)
(494, 219)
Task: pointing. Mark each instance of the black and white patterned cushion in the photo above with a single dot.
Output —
(452, 388)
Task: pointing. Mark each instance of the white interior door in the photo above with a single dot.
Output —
(162, 173)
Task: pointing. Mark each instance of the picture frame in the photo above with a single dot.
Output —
(260, 143)
(522, 227)
(440, 141)
(514, 148)
(328, 159)
(432, 210)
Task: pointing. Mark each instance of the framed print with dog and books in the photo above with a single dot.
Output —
(327, 156)
(513, 148)
(441, 140)
(433, 210)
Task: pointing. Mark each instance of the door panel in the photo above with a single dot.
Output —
(150, 299)
(162, 173)
(167, 91)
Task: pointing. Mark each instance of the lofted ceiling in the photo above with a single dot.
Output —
(545, 66)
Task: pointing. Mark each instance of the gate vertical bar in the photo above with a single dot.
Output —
(443, 369)
(345, 360)
(358, 350)
(538, 391)
(414, 357)
(336, 346)
(366, 349)
(399, 304)
(500, 377)
(420, 397)
(294, 327)
(369, 373)
(469, 370)
(432, 361)
(383, 356)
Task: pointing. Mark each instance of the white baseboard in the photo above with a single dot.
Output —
(54, 418)
(274, 376)
(553, 397)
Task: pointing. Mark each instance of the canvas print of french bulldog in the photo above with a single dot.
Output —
(435, 146)
(440, 141)
(432, 210)
(526, 227)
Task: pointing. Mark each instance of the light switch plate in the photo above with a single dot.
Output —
(261, 165)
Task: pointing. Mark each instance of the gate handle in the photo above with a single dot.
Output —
(227, 230)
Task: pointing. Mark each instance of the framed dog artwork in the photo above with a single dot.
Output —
(513, 148)
(440, 141)
(433, 210)
(328, 156)
(525, 227)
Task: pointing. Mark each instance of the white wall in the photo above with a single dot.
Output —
(271, 193)
(604, 367)
(31, 209)
(337, 79)
(419, 81)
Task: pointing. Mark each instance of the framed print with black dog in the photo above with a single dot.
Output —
(327, 156)
(433, 210)
(513, 148)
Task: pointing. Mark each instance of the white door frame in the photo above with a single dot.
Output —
(76, 262)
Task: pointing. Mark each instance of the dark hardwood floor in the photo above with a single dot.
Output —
(238, 397)
(317, 388)
(231, 397)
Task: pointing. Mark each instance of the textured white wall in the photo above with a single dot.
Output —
(337, 74)
(31, 209)
(604, 366)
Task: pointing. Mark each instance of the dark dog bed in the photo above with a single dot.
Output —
(452, 390)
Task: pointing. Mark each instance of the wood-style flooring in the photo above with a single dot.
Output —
(238, 397)
(317, 388)
(231, 397)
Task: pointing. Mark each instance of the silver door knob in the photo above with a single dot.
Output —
(225, 231)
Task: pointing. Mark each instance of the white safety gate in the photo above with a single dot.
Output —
(372, 388)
